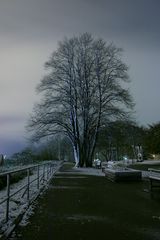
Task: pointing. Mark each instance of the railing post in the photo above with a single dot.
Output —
(43, 173)
(38, 177)
(50, 170)
(8, 196)
(47, 171)
(28, 183)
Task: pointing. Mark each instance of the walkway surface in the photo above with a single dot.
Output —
(82, 207)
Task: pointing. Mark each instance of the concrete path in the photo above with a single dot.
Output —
(83, 207)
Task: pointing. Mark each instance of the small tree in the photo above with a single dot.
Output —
(152, 139)
(121, 138)
(81, 93)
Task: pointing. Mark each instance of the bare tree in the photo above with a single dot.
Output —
(81, 93)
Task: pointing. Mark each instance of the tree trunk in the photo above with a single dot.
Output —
(76, 156)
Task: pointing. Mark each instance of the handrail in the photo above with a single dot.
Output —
(47, 171)
(23, 169)
(154, 170)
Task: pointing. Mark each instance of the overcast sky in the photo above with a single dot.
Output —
(30, 30)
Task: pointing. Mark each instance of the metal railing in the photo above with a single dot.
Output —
(43, 173)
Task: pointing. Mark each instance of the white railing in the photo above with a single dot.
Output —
(154, 172)
(42, 173)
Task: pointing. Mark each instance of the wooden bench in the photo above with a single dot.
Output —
(154, 180)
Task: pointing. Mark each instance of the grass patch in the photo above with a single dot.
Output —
(67, 166)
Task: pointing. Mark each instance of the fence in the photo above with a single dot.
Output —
(42, 173)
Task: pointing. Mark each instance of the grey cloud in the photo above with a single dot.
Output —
(10, 146)
(7, 119)
(30, 29)
(52, 18)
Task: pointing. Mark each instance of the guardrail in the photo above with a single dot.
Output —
(154, 170)
(43, 173)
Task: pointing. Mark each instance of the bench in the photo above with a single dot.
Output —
(154, 178)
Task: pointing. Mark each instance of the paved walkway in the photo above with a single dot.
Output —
(82, 207)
